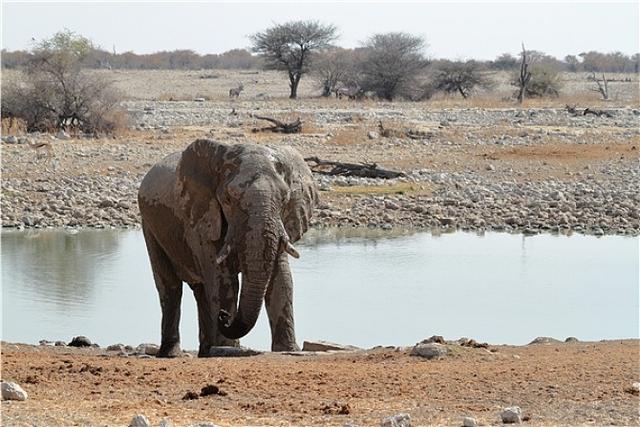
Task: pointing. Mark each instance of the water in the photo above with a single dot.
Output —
(359, 287)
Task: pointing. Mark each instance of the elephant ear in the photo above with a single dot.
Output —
(303, 193)
(197, 183)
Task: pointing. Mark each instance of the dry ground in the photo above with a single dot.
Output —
(554, 384)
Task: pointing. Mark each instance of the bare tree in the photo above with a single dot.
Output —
(290, 47)
(335, 67)
(525, 74)
(392, 62)
(603, 86)
(461, 77)
(57, 94)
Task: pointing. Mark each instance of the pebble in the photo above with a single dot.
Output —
(139, 421)
(511, 415)
(469, 422)
(430, 350)
(398, 420)
(12, 391)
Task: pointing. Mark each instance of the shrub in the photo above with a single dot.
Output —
(545, 82)
(461, 77)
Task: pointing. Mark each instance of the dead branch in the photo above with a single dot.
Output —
(363, 170)
(278, 126)
(598, 113)
(603, 86)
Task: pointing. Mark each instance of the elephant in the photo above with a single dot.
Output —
(217, 211)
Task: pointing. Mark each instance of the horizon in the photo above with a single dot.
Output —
(570, 28)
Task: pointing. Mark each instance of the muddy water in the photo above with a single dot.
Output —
(359, 287)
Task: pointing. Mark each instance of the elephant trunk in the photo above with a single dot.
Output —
(261, 248)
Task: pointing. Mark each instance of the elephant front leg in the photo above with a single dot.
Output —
(279, 303)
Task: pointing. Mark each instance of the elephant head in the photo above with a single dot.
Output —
(260, 199)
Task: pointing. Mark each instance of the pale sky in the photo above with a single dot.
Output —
(461, 30)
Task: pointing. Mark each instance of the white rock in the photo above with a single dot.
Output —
(12, 391)
(148, 349)
(469, 422)
(139, 421)
(430, 350)
(511, 415)
(325, 346)
(373, 135)
(397, 420)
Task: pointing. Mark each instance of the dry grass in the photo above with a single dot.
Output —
(396, 188)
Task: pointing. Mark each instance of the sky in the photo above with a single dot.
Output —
(460, 30)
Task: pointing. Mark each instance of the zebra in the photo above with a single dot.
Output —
(235, 91)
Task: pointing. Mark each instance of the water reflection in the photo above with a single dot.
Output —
(362, 287)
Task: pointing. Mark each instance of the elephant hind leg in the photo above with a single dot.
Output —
(169, 288)
(279, 304)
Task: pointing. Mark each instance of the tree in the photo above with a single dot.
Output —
(524, 75)
(335, 67)
(290, 47)
(57, 94)
(392, 63)
(573, 63)
(461, 77)
(505, 61)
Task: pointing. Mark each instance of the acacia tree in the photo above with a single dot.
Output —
(391, 64)
(290, 47)
(461, 77)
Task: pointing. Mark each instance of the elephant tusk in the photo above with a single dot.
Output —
(288, 248)
(223, 254)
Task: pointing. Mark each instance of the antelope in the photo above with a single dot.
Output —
(351, 92)
(43, 149)
(235, 92)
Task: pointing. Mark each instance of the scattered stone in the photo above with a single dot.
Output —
(139, 421)
(545, 340)
(326, 346)
(80, 341)
(190, 395)
(12, 391)
(430, 351)
(398, 420)
(469, 422)
(634, 389)
(511, 415)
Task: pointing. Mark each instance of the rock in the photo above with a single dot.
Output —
(11, 139)
(511, 415)
(469, 422)
(12, 391)
(199, 99)
(373, 135)
(116, 347)
(391, 205)
(45, 342)
(430, 350)
(439, 339)
(165, 422)
(326, 346)
(634, 389)
(60, 344)
(148, 349)
(62, 135)
(571, 339)
(544, 340)
(227, 351)
(80, 341)
(397, 420)
(139, 421)
(490, 167)
(204, 425)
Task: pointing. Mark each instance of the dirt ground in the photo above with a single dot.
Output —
(583, 383)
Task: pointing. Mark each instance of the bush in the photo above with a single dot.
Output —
(545, 82)
(57, 94)
(461, 77)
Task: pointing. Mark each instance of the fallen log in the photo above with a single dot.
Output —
(278, 126)
(362, 170)
(598, 113)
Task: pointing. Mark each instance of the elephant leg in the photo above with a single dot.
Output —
(206, 322)
(225, 297)
(169, 288)
(279, 303)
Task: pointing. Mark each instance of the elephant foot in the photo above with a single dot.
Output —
(169, 350)
(285, 347)
(205, 349)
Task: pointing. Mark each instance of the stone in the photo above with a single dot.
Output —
(11, 139)
(511, 415)
(139, 421)
(228, 351)
(571, 339)
(469, 422)
(391, 205)
(62, 135)
(490, 167)
(60, 344)
(439, 339)
(634, 389)
(397, 420)
(80, 341)
(12, 391)
(165, 422)
(199, 99)
(544, 340)
(148, 349)
(430, 350)
(204, 425)
(326, 346)
(373, 135)
(116, 347)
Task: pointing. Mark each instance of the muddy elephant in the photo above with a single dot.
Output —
(213, 212)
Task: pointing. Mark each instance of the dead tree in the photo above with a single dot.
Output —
(278, 126)
(603, 86)
(362, 170)
(525, 75)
